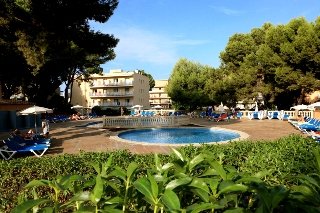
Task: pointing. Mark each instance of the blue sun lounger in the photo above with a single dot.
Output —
(311, 125)
(36, 140)
(239, 115)
(253, 115)
(12, 147)
(284, 117)
(273, 115)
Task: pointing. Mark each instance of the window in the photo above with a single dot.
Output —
(127, 90)
(115, 90)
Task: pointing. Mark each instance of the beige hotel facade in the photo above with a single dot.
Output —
(117, 88)
(159, 96)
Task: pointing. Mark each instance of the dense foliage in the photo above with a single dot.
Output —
(282, 62)
(279, 62)
(278, 163)
(46, 43)
(187, 84)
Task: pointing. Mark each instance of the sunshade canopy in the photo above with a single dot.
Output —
(35, 110)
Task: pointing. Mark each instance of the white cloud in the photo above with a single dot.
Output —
(149, 47)
(145, 46)
(228, 11)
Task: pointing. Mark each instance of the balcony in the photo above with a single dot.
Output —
(156, 102)
(111, 94)
(158, 91)
(119, 104)
(160, 100)
(159, 97)
(113, 84)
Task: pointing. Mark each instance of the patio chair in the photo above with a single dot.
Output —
(12, 147)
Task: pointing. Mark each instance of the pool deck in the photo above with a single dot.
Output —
(72, 137)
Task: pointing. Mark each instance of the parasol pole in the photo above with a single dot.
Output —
(35, 120)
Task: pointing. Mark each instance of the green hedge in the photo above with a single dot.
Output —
(283, 159)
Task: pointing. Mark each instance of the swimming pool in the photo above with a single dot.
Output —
(179, 135)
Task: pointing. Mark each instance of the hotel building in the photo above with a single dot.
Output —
(158, 95)
(115, 89)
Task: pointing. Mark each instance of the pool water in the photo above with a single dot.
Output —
(179, 135)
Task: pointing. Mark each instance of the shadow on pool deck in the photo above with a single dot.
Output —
(73, 136)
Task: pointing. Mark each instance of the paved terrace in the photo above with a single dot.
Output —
(71, 137)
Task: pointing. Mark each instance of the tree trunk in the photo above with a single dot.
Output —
(71, 85)
(301, 97)
(0, 90)
(66, 93)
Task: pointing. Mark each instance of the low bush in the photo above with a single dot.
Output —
(276, 162)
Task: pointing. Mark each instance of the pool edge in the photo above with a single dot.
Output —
(243, 136)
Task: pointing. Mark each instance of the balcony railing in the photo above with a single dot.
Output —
(111, 94)
(158, 91)
(119, 104)
(159, 102)
(113, 84)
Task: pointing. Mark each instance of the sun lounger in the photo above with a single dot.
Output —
(284, 117)
(239, 115)
(312, 125)
(203, 115)
(253, 115)
(222, 117)
(314, 135)
(12, 147)
(35, 140)
(133, 113)
(273, 115)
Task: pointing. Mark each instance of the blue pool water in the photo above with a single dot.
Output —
(178, 135)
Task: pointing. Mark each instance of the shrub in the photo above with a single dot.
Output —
(277, 161)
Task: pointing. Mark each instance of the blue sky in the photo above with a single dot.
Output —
(155, 34)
